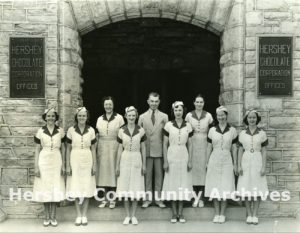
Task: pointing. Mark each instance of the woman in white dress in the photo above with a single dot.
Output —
(81, 164)
(222, 164)
(131, 164)
(49, 185)
(177, 185)
(252, 182)
(108, 126)
(200, 121)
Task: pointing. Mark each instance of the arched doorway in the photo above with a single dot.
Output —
(130, 58)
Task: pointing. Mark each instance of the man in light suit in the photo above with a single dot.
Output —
(153, 122)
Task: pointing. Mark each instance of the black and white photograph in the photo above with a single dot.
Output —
(150, 116)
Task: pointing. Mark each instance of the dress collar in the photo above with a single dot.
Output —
(46, 130)
(255, 132)
(77, 130)
(113, 116)
(194, 115)
(183, 124)
(218, 129)
(135, 131)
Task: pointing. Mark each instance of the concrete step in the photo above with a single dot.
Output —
(68, 213)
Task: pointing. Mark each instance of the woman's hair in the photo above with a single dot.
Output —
(199, 96)
(245, 120)
(56, 116)
(107, 98)
(87, 117)
(184, 111)
(131, 109)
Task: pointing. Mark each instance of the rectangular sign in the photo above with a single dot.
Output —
(275, 66)
(27, 67)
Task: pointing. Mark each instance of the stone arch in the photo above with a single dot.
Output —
(222, 17)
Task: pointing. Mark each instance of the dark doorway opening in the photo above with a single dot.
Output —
(129, 59)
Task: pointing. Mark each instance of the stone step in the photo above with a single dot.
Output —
(68, 213)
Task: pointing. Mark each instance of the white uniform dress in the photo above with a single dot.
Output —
(130, 182)
(50, 186)
(199, 141)
(251, 180)
(177, 180)
(81, 183)
(220, 175)
(107, 149)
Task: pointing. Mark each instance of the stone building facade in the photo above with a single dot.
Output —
(238, 23)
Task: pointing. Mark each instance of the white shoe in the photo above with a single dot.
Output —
(216, 219)
(201, 204)
(112, 205)
(126, 221)
(78, 221)
(254, 220)
(174, 219)
(249, 220)
(222, 219)
(103, 204)
(84, 221)
(160, 204)
(134, 221)
(146, 204)
(46, 222)
(195, 204)
(53, 222)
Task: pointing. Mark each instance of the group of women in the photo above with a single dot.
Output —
(198, 157)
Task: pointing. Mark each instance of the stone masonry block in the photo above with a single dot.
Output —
(232, 76)
(293, 185)
(254, 18)
(284, 122)
(14, 15)
(288, 136)
(220, 12)
(278, 5)
(237, 15)
(187, 7)
(14, 176)
(273, 155)
(204, 7)
(233, 38)
(13, 141)
(286, 167)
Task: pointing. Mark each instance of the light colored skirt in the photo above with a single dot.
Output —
(130, 183)
(50, 186)
(178, 181)
(81, 183)
(219, 181)
(251, 181)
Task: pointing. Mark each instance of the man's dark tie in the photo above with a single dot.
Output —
(153, 117)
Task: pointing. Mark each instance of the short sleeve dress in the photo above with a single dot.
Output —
(219, 181)
(177, 180)
(199, 141)
(107, 149)
(251, 180)
(130, 182)
(50, 186)
(81, 183)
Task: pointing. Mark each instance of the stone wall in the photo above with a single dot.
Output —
(20, 118)
(61, 23)
(280, 115)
